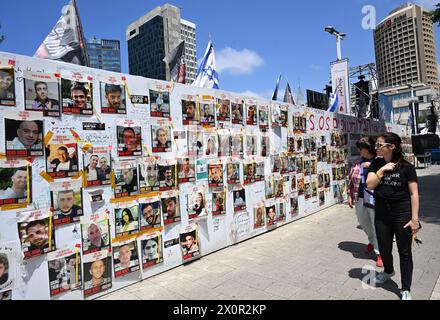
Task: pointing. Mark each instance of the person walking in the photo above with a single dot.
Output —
(364, 210)
(395, 185)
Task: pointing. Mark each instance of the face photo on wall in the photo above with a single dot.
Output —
(265, 146)
(259, 171)
(237, 145)
(251, 145)
(215, 175)
(159, 104)
(237, 113)
(294, 206)
(279, 187)
(126, 220)
(97, 166)
(259, 217)
(151, 248)
(167, 177)
(68, 206)
(284, 164)
(148, 177)
(113, 98)
(95, 233)
(218, 203)
(24, 138)
(126, 182)
(210, 146)
(161, 139)
(291, 145)
(301, 185)
(207, 114)
(275, 163)
(233, 173)
(15, 183)
(129, 141)
(125, 258)
(308, 190)
(251, 115)
(62, 160)
(97, 274)
(293, 185)
(263, 117)
(239, 200)
(63, 269)
(187, 171)
(197, 204)
(249, 173)
(284, 118)
(281, 211)
(170, 208)
(151, 217)
(224, 110)
(190, 114)
(42, 93)
(276, 116)
(195, 143)
(190, 243)
(225, 145)
(77, 97)
(37, 237)
(269, 187)
(299, 164)
(271, 214)
(327, 180)
(7, 86)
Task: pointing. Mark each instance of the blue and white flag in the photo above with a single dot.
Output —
(207, 76)
(333, 103)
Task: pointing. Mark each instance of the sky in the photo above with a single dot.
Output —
(255, 41)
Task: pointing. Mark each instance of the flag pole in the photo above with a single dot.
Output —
(81, 35)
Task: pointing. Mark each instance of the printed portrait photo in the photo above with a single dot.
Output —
(251, 115)
(7, 86)
(148, 177)
(24, 138)
(189, 243)
(97, 276)
(42, 93)
(152, 253)
(125, 259)
(215, 175)
(259, 217)
(67, 205)
(126, 220)
(218, 203)
(224, 110)
(15, 185)
(97, 166)
(35, 237)
(197, 204)
(195, 143)
(161, 139)
(151, 217)
(126, 182)
(207, 114)
(190, 114)
(63, 273)
(237, 113)
(167, 177)
(159, 104)
(62, 160)
(170, 209)
(129, 141)
(187, 171)
(77, 97)
(113, 99)
(233, 172)
(95, 235)
(210, 147)
(239, 200)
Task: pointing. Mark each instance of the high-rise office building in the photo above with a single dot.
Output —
(104, 54)
(153, 36)
(405, 48)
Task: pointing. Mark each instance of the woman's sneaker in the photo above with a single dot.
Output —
(383, 277)
(406, 295)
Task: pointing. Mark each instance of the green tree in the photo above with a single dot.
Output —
(435, 15)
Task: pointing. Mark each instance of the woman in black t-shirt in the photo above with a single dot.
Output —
(394, 181)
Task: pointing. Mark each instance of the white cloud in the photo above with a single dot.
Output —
(238, 62)
(263, 95)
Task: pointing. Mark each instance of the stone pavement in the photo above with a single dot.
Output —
(318, 257)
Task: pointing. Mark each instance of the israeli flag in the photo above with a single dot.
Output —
(333, 103)
(207, 76)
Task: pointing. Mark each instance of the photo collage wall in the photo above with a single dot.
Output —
(146, 172)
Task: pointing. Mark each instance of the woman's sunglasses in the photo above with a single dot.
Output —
(381, 145)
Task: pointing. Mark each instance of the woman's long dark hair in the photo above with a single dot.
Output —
(398, 155)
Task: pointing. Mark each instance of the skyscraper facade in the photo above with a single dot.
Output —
(104, 54)
(405, 48)
(153, 36)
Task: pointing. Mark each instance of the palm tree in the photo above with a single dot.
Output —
(435, 15)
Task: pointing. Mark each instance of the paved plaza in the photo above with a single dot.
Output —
(318, 257)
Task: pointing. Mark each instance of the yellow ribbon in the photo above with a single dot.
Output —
(50, 229)
(47, 138)
(46, 176)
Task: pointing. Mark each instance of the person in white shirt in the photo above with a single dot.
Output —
(18, 189)
(28, 137)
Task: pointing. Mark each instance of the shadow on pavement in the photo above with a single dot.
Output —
(361, 274)
(357, 250)
(429, 199)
